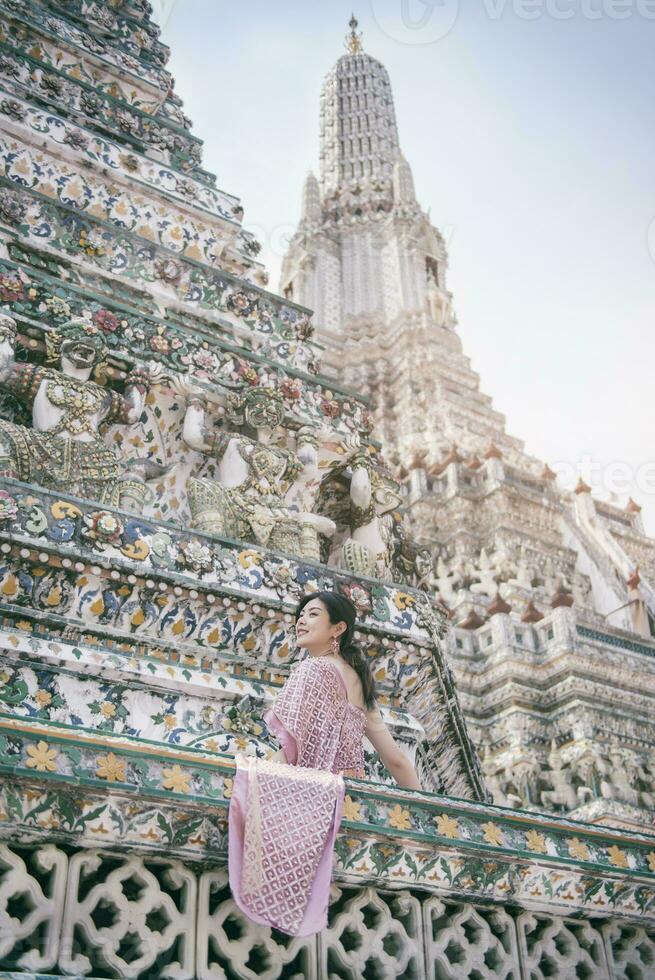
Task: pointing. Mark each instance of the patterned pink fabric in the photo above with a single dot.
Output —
(313, 710)
(283, 821)
(284, 818)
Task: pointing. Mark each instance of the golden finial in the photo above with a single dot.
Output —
(354, 39)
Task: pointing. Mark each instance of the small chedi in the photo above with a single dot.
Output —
(176, 471)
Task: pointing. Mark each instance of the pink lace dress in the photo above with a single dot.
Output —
(284, 817)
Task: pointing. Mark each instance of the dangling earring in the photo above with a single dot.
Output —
(335, 644)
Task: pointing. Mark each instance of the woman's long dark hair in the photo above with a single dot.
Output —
(341, 610)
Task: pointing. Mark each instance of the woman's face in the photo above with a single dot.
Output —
(314, 631)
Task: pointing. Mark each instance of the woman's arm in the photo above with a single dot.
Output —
(391, 755)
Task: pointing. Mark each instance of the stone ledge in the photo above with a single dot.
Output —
(99, 790)
(56, 526)
(220, 320)
(93, 151)
(185, 150)
(195, 275)
(205, 349)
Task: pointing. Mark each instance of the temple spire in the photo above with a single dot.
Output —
(354, 39)
(359, 136)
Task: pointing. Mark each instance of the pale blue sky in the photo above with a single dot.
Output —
(532, 145)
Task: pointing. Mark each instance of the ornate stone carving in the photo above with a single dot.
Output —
(134, 911)
(32, 890)
(104, 911)
(64, 449)
(372, 496)
(247, 501)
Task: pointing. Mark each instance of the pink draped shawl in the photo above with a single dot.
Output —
(283, 818)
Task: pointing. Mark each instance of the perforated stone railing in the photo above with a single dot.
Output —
(105, 912)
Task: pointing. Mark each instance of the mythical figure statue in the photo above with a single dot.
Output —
(64, 450)
(247, 501)
(588, 766)
(373, 497)
(302, 496)
(623, 781)
(563, 795)
(410, 563)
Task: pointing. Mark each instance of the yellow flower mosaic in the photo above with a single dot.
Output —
(41, 757)
(249, 558)
(536, 842)
(578, 849)
(111, 768)
(493, 834)
(447, 826)
(351, 809)
(400, 818)
(402, 600)
(176, 780)
(617, 857)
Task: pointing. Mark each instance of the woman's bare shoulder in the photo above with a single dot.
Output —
(351, 681)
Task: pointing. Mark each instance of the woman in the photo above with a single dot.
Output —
(285, 812)
(325, 623)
